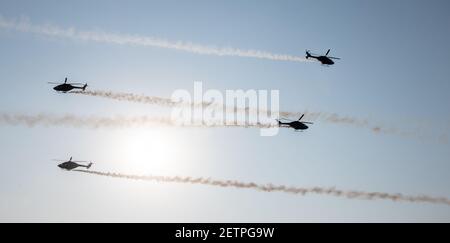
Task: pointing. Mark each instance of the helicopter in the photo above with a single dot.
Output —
(66, 87)
(325, 60)
(70, 165)
(297, 125)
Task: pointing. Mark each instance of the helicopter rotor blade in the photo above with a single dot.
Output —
(337, 58)
(66, 83)
(301, 117)
(308, 122)
(328, 52)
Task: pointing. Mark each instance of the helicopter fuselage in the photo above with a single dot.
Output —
(297, 125)
(323, 59)
(70, 165)
(66, 87)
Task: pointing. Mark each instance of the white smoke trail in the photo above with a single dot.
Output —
(311, 116)
(120, 39)
(279, 188)
(95, 122)
(130, 97)
(155, 100)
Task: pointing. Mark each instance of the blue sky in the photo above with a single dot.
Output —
(394, 69)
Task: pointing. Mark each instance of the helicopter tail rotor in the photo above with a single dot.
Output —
(308, 55)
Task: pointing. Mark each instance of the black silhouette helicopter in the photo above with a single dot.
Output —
(66, 87)
(70, 165)
(297, 125)
(325, 60)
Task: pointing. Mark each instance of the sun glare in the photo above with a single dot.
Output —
(154, 151)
